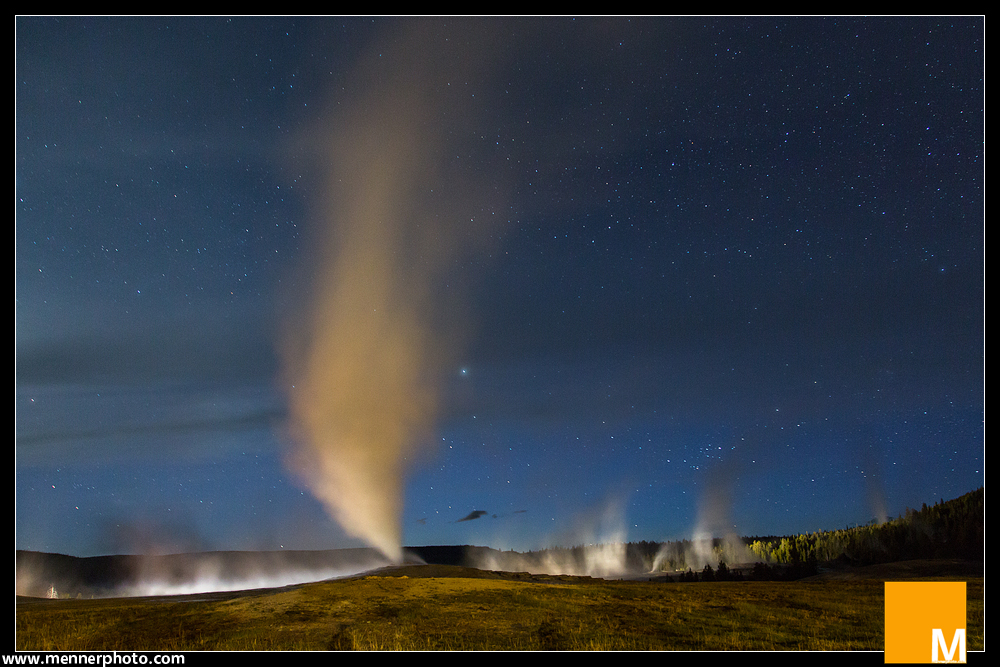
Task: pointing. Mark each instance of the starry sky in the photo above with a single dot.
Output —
(590, 279)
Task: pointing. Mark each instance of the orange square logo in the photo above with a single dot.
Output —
(924, 621)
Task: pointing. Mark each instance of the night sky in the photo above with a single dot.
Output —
(558, 280)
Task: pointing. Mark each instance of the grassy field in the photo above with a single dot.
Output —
(454, 609)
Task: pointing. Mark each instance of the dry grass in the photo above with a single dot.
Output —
(455, 613)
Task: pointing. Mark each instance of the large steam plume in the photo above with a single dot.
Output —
(363, 364)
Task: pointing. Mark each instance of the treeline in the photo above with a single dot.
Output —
(948, 529)
(952, 529)
(759, 572)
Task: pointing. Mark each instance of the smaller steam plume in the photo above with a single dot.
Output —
(599, 551)
(714, 532)
(713, 517)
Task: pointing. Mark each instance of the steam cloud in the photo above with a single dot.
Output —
(363, 373)
(600, 534)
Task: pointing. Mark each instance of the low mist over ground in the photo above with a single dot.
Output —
(45, 575)
(951, 530)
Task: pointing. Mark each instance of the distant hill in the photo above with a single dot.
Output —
(103, 576)
(951, 529)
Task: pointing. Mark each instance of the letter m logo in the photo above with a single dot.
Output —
(938, 645)
(918, 611)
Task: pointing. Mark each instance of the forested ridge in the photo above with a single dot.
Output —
(948, 529)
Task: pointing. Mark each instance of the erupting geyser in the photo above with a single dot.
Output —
(362, 370)
(360, 389)
(360, 403)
